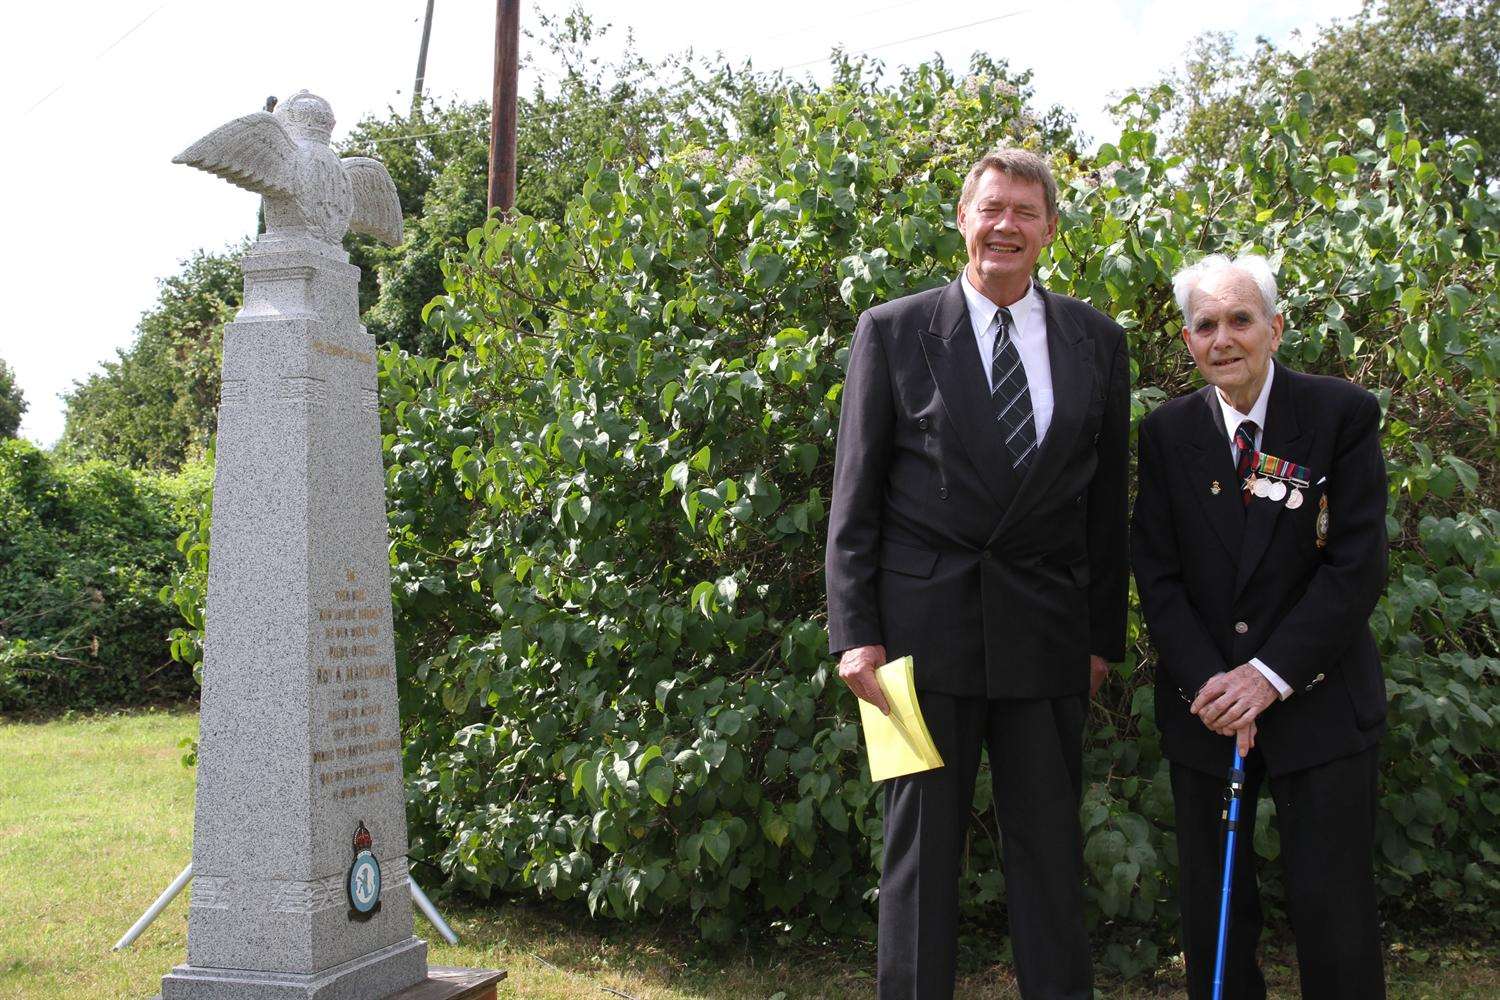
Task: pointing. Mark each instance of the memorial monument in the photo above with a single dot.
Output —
(300, 885)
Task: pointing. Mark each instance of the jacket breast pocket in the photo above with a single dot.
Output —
(907, 560)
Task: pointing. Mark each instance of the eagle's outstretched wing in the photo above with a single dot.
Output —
(377, 207)
(254, 152)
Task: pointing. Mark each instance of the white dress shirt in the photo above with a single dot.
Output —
(1232, 420)
(1028, 333)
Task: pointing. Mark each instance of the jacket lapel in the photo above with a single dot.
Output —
(1207, 452)
(1070, 359)
(953, 358)
(1284, 439)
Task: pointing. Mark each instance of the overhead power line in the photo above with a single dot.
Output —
(910, 38)
(849, 17)
(102, 53)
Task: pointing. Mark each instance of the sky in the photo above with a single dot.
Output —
(101, 94)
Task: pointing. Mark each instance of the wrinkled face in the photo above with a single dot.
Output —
(1005, 225)
(1230, 336)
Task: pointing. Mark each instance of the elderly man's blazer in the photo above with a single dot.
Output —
(996, 585)
(1221, 583)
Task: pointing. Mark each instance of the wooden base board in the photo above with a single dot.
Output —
(445, 983)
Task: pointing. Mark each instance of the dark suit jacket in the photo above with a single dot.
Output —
(996, 587)
(1220, 583)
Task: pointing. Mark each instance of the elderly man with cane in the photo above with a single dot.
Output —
(1259, 551)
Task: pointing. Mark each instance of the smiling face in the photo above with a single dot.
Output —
(1005, 225)
(1230, 337)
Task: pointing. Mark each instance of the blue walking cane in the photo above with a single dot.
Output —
(1231, 822)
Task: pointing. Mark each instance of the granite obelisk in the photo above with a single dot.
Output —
(300, 885)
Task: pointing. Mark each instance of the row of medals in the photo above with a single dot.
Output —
(1276, 490)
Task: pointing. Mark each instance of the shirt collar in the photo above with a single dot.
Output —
(1233, 418)
(982, 310)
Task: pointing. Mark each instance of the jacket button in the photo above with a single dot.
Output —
(1241, 627)
(942, 492)
(922, 423)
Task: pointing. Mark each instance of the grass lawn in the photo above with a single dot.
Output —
(96, 819)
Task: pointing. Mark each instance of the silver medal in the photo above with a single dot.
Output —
(1277, 491)
(1294, 499)
(1262, 488)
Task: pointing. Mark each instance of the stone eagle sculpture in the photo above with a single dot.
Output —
(285, 158)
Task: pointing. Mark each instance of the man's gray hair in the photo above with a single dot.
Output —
(1251, 265)
(1021, 164)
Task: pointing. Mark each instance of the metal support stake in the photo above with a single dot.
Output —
(154, 910)
(430, 912)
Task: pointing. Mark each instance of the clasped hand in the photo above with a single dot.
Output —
(1228, 703)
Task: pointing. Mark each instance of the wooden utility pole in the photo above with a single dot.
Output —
(416, 88)
(503, 107)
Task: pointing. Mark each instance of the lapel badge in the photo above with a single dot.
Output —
(1322, 522)
(1214, 487)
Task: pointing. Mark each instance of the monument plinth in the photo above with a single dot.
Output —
(300, 886)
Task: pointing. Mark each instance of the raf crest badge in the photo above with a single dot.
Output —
(1322, 520)
(364, 877)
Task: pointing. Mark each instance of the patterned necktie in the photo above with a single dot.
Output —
(1244, 443)
(1011, 397)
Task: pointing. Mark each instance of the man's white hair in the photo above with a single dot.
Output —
(1251, 265)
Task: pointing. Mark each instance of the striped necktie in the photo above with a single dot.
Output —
(1011, 397)
(1244, 443)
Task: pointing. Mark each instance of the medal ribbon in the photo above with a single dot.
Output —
(1280, 468)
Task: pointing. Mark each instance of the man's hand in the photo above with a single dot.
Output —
(857, 668)
(1229, 702)
(1245, 738)
(1098, 671)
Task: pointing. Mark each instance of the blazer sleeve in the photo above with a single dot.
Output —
(1344, 589)
(861, 466)
(1185, 650)
(1109, 515)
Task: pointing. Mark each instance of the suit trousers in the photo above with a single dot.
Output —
(1035, 749)
(1326, 819)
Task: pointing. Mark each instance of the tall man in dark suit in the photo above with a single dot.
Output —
(1259, 551)
(978, 525)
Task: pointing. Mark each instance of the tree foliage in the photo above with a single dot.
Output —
(155, 406)
(439, 159)
(1437, 60)
(12, 402)
(85, 550)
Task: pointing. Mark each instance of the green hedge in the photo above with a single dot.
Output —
(608, 504)
(84, 552)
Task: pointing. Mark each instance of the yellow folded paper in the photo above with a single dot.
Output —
(898, 743)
